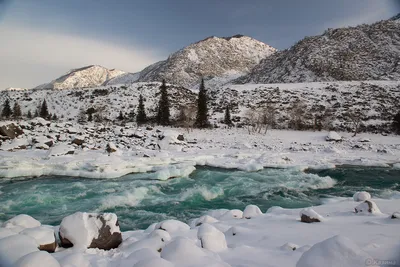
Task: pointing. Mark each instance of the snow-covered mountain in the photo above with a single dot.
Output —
(365, 52)
(90, 76)
(209, 58)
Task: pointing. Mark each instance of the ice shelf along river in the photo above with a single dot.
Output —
(140, 200)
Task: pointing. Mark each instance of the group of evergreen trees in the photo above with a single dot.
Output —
(163, 116)
(16, 113)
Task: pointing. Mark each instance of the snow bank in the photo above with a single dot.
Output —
(338, 251)
(14, 247)
(333, 136)
(37, 259)
(42, 235)
(20, 222)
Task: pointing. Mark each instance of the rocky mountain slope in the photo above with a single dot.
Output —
(211, 57)
(90, 76)
(375, 103)
(365, 52)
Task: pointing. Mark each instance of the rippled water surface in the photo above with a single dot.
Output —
(139, 200)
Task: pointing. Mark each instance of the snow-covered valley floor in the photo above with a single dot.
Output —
(223, 238)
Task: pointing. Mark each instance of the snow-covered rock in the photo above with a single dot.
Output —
(367, 207)
(333, 136)
(289, 246)
(337, 251)
(183, 251)
(172, 226)
(61, 149)
(395, 215)
(37, 259)
(235, 214)
(361, 196)
(211, 238)
(201, 220)
(251, 211)
(20, 222)
(14, 247)
(90, 230)
(111, 148)
(44, 236)
(308, 215)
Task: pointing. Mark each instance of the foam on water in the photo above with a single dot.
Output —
(140, 199)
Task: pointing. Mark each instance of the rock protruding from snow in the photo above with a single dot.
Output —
(395, 215)
(337, 251)
(20, 222)
(251, 211)
(309, 215)
(367, 207)
(37, 259)
(361, 196)
(111, 148)
(90, 230)
(289, 246)
(211, 238)
(44, 236)
(10, 131)
(333, 136)
(61, 150)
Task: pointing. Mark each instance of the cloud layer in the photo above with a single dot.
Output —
(53, 54)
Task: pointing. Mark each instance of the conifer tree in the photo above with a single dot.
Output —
(227, 119)
(82, 116)
(202, 109)
(36, 114)
(29, 114)
(163, 113)
(44, 112)
(121, 116)
(54, 118)
(141, 117)
(17, 111)
(6, 112)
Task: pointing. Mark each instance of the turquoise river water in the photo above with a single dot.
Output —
(140, 200)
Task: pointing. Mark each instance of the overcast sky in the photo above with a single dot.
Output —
(43, 39)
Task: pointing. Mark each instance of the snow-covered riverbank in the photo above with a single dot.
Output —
(64, 149)
(220, 238)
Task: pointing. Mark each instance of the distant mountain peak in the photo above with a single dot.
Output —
(88, 76)
(397, 17)
(210, 57)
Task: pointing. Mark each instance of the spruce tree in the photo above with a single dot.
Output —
(202, 109)
(6, 112)
(141, 117)
(36, 113)
(44, 112)
(121, 116)
(396, 123)
(17, 111)
(163, 113)
(54, 118)
(29, 114)
(227, 119)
